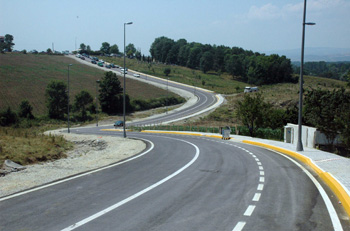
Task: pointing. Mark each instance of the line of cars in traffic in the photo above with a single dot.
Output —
(102, 63)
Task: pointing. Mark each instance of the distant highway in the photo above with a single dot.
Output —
(206, 98)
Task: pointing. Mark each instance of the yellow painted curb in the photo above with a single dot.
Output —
(332, 183)
(173, 132)
(114, 130)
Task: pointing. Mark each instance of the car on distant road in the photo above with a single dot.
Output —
(93, 62)
(123, 71)
(250, 89)
(137, 75)
(108, 66)
(100, 64)
(113, 65)
(118, 123)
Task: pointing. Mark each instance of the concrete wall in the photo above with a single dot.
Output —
(310, 136)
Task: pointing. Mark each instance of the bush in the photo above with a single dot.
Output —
(8, 117)
(140, 105)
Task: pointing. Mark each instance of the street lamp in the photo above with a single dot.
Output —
(300, 143)
(167, 94)
(96, 109)
(128, 23)
(68, 97)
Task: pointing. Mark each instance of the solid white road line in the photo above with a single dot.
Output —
(101, 213)
(80, 175)
(332, 213)
(240, 225)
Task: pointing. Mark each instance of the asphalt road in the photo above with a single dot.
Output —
(206, 99)
(181, 183)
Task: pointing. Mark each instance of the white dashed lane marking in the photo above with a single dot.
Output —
(249, 210)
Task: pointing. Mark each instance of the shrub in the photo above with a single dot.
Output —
(8, 117)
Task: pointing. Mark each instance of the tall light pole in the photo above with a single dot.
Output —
(97, 82)
(300, 143)
(68, 97)
(127, 23)
(167, 94)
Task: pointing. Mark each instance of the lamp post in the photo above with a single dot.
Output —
(127, 23)
(68, 97)
(300, 143)
(97, 82)
(167, 94)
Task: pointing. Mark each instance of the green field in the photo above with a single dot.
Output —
(25, 76)
(220, 83)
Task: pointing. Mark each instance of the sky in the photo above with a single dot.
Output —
(257, 25)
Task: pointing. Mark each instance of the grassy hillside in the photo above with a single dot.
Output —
(26, 77)
(220, 83)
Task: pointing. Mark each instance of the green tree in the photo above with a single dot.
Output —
(114, 49)
(167, 71)
(251, 110)
(56, 99)
(206, 61)
(7, 44)
(110, 97)
(130, 50)
(234, 65)
(322, 110)
(8, 117)
(88, 49)
(348, 78)
(49, 51)
(25, 110)
(81, 103)
(82, 48)
(105, 48)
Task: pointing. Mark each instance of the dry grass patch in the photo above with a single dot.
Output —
(29, 145)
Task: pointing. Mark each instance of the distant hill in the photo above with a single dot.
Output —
(315, 54)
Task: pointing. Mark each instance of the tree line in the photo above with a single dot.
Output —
(107, 49)
(245, 65)
(332, 70)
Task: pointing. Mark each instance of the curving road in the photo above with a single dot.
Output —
(178, 183)
(206, 99)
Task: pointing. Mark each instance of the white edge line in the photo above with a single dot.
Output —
(332, 213)
(96, 215)
(80, 175)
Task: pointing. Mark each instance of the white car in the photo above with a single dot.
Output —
(137, 75)
(123, 71)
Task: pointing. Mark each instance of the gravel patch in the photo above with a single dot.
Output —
(90, 152)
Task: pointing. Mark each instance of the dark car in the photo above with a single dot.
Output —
(108, 66)
(93, 61)
(100, 64)
(118, 123)
(113, 65)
